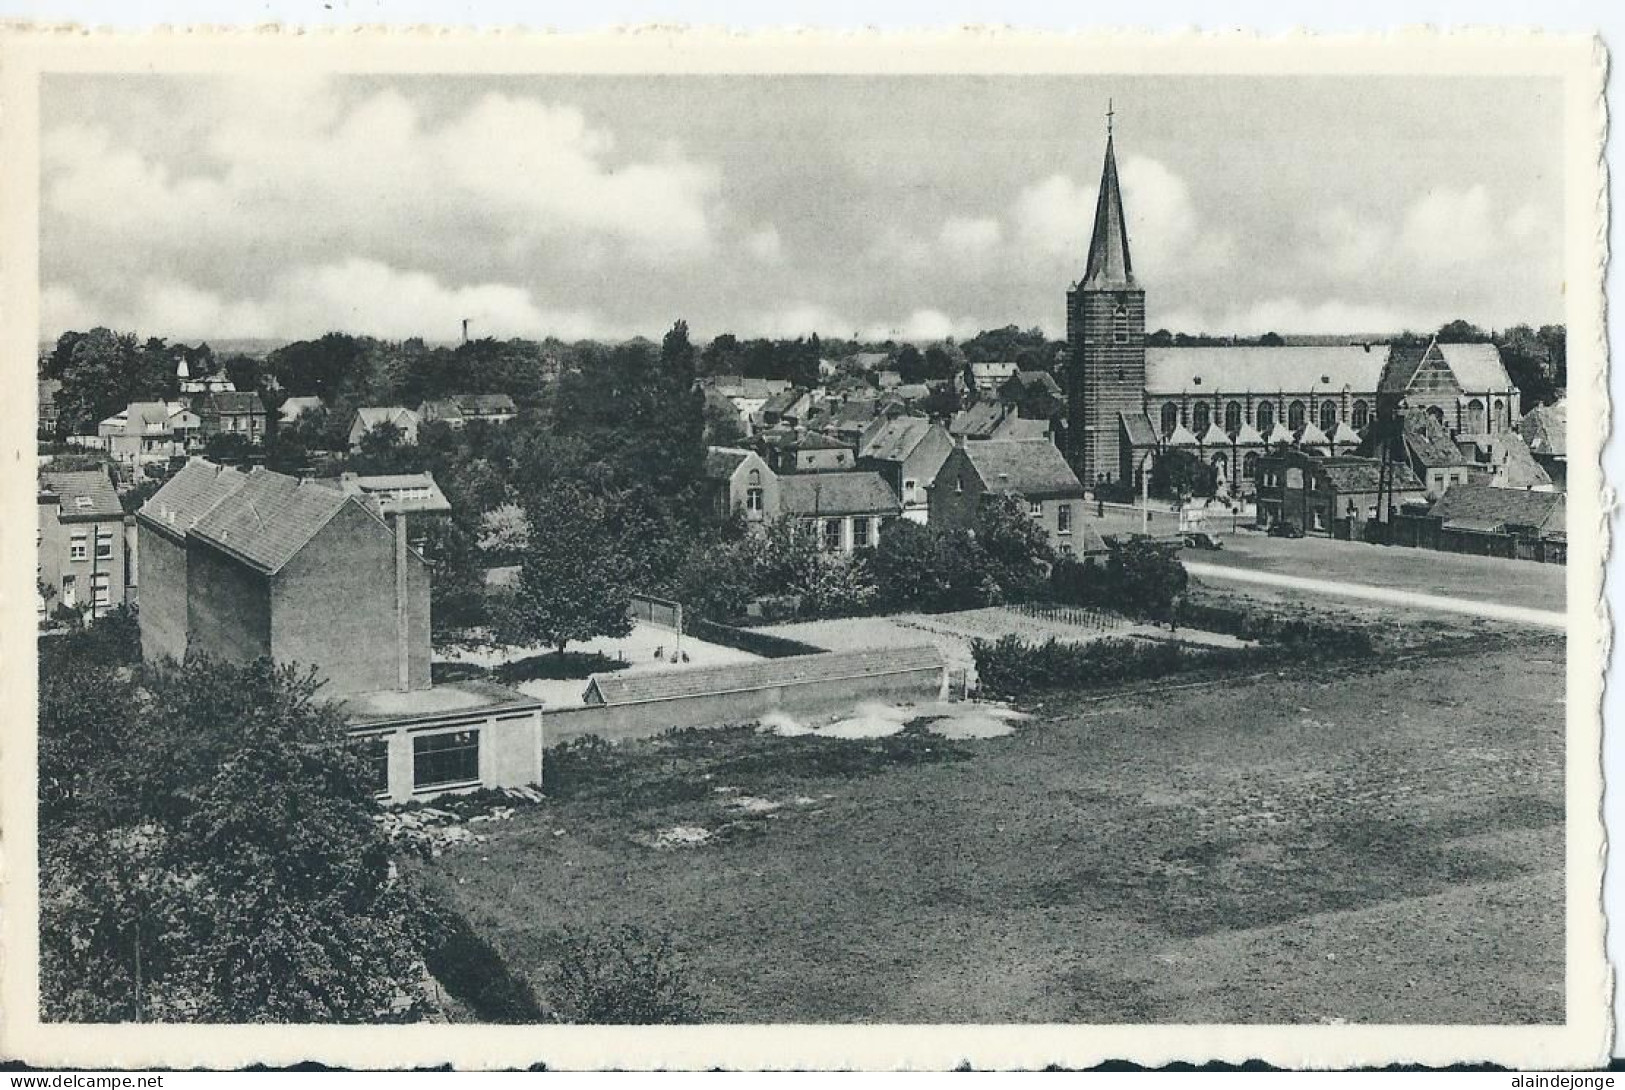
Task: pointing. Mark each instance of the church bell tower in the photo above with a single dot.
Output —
(1105, 333)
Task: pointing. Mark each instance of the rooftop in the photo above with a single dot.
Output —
(451, 699)
(1482, 504)
(1235, 369)
(854, 493)
(84, 495)
(1032, 467)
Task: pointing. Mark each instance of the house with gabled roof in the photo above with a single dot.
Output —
(259, 564)
(80, 554)
(847, 510)
(1029, 469)
(232, 412)
(907, 451)
(1479, 518)
(1545, 429)
(456, 410)
(739, 481)
(371, 417)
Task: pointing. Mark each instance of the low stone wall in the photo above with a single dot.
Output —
(617, 722)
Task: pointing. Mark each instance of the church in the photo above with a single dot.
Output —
(1129, 403)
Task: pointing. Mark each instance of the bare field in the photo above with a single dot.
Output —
(1374, 843)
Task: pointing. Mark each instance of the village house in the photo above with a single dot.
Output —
(1029, 469)
(371, 417)
(1427, 448)
(740, 481)
(847, 510)
(1336, 495)
(293, 408)
(191, 385)
(80, 553)
(987, 377)
(1504, 460)
(150, 432)
(1487, 521)
(232, 412)
(49, 413)
(1545, 429)
(788, 408)
(807, 452)
(908, 452)
(1035, 394)
(460, 409)
(991, 420)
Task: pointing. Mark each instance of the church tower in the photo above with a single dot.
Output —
(1105, 333)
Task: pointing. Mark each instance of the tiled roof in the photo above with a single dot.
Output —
(269, 518)
(232, 402)
(1181, 437)
(1509, 454)
(1403, 362)
(1235, 369)
(146, 418)
(1248, 436)
(190, 494)
(1215, 436)
(980, 420)
(783, 401)
(1353, 475)
(1482, 503)
(1140, 431)
(1546, 429)
(1428, 442)
(84, 494)
(1032, 467)
(443, 408)
(395, 493)
(1345, 434)
(1477, 367)
(858, 411)
(913, 391)
(1279, 434)
(295, 407)
(853, 493)
(484, 403)
(1043, 380)
(641, 688)
(814, 441)
(1020, 427)
(373, 415)
(896, 439)
(1311, 436)
(720, 462)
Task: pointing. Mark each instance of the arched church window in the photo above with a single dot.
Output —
(1120, 324)
(1265, 417)
(1295, 415)
(1436, 412)
(1199, 418)
(1249, 465)
(1232, 417)
(1328, 417)
(1475, 417)
(1360, 415)
(1170, 418)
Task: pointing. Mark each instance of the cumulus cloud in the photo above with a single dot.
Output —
(355, 296)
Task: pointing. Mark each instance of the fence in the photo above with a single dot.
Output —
(1092, 620)
(657, 611)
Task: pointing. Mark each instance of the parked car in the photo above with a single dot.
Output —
(1286, 529)
(1201, 539)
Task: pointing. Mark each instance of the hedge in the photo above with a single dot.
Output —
(745, 639)
(1010, 667)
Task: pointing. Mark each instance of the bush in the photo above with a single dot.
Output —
(621, 976)
(1141, 578)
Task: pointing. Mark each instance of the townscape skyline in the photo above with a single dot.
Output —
(908, 208)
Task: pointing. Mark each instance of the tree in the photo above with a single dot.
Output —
(382, 439)
(910, 365)
(1148, 577)
(1017, 549)
(924, 567)
(1528, 357)
(233, 873)
(1179, 474)
(227, 448)
(1461, 331)
(573, 581)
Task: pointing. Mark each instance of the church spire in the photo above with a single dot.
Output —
(1109, 267)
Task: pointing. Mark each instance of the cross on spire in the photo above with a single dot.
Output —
(1110, 113)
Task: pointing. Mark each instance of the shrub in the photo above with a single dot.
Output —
(622, 975)
(1141, 578)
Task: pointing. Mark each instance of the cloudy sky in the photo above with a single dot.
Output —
(916, 207)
